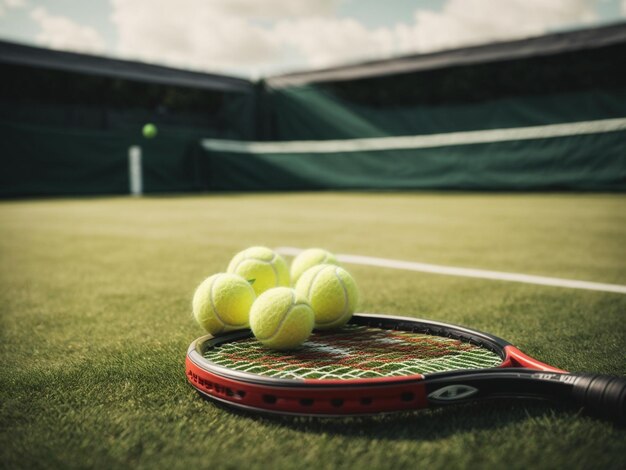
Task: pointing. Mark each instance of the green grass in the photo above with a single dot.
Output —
(95, 321)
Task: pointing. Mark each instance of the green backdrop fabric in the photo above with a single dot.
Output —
(586, 162)
(64, 149)
(311, 114)
(63, 143)
(41, 161)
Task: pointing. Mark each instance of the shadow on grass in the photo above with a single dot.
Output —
(420, 425)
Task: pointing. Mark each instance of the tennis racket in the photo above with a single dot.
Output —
(379, 364)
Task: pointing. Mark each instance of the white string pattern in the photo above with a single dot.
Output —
(355, 352)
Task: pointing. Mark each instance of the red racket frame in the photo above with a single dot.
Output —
(324, 397)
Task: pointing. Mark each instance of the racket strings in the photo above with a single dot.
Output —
(355, 352)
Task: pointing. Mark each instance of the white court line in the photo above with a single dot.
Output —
(468, 272)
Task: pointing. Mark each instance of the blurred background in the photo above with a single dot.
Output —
(274, 36)
(532, 91)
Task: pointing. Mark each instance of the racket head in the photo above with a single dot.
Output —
(376, 364)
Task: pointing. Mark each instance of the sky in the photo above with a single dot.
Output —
(254, 38)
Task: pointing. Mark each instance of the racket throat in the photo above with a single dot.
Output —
(516, 358)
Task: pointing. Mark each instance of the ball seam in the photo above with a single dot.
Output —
(282, 320)
(275, 271)
(270, 262)
(308, 292)
(217, 313)
(346, 308)
(213, 308)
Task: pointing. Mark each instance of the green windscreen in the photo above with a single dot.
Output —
(542, 122)
(354, 352)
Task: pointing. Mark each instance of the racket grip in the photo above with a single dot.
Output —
(601, 395)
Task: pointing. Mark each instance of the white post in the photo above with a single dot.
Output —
(134, 170)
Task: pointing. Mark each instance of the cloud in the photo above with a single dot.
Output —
(256, 36)
(463, 22)
(273, 9)
(327, 41)
(200, 34)
(624, 7)
(331, 41)
(60, 32)
(245, 36)
(9, 4)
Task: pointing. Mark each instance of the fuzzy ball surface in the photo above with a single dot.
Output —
(309, 258)
(263, 267)
(149, 131)
(281, 319)
(332, 293)
(222, 303)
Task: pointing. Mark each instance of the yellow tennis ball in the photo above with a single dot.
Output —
(309, 258)
(281, 319)
(149, 131)
(332, 293)
(263, 267)
(222, 303)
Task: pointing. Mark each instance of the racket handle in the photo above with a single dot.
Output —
(601, 395)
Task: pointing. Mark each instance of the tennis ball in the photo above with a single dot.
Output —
(262, 267)
(309, 258)
(222, 303)
(332, 293)
(281, 319)
(149, 131)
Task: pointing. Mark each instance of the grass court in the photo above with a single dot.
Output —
(96, 319)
